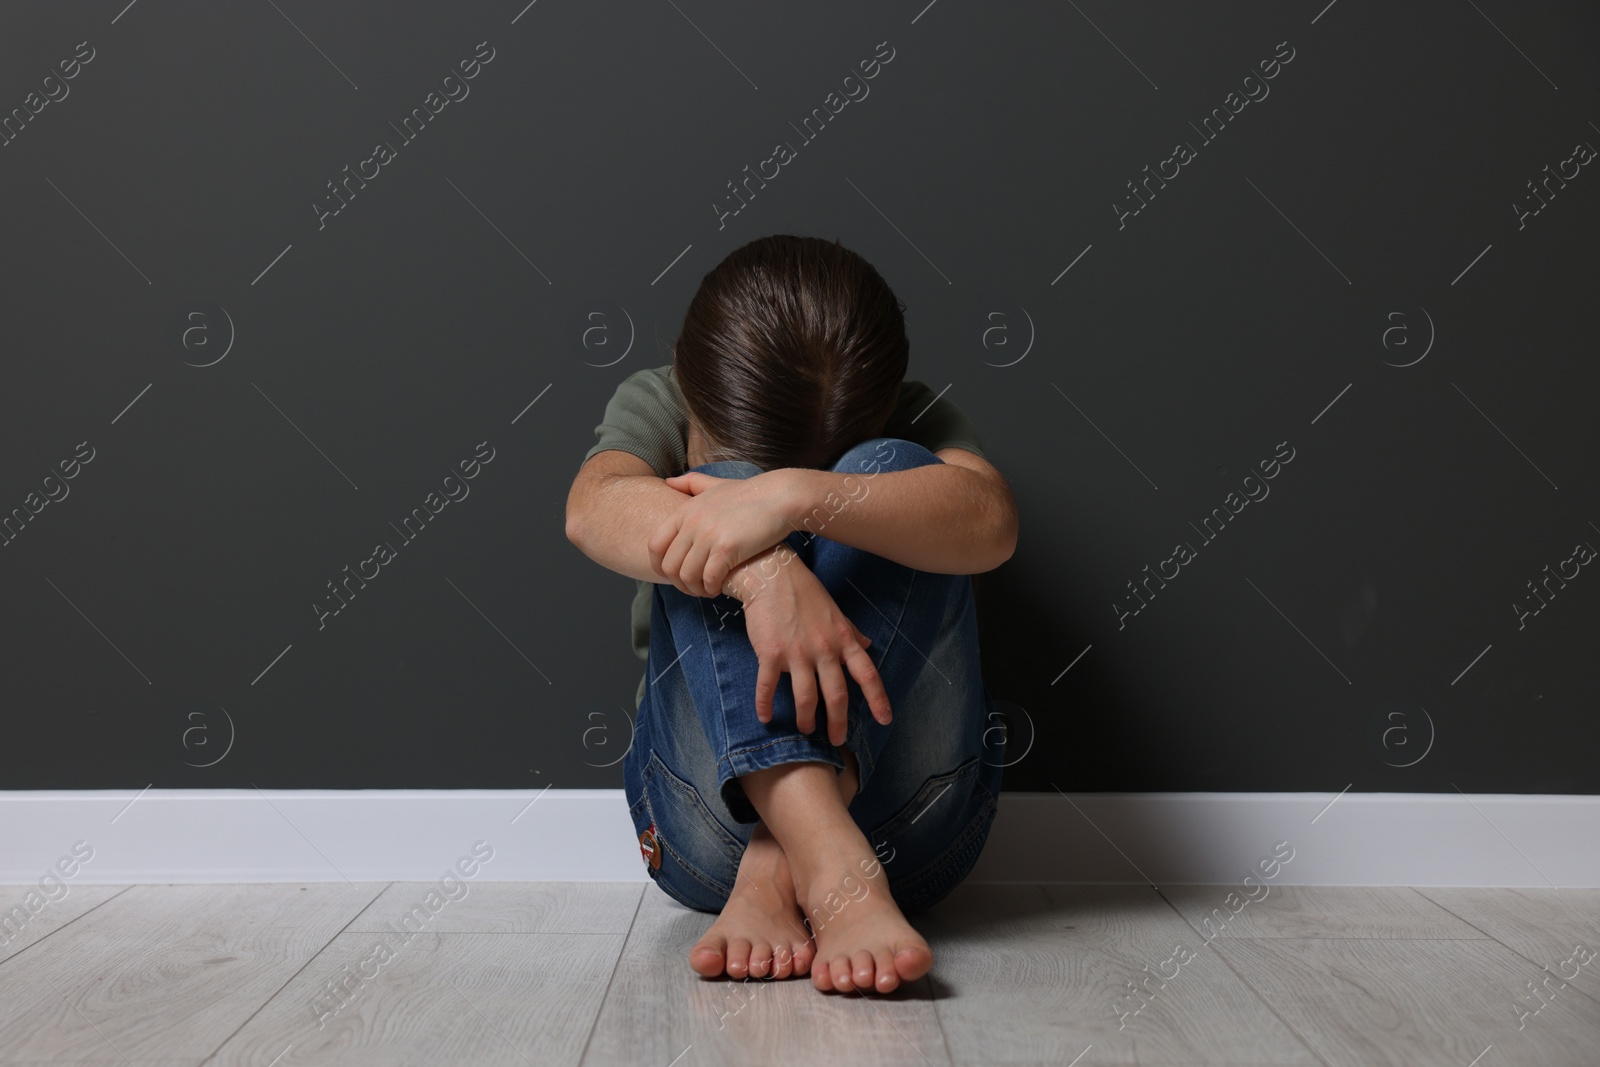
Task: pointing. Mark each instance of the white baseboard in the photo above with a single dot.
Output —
(245, 835)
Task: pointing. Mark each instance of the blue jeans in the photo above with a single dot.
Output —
(929, 781)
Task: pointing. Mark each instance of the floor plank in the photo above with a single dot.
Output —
(166, 971)
(1414, 1003)
(1034, 974)
(514, 907)
(1544, 926)
(597, 973)
(485, 999)
(1315, 911)
(50, 917)
(658, 1009)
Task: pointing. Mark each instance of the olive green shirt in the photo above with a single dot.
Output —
(646, 416)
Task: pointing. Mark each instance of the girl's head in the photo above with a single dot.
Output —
(792, 351)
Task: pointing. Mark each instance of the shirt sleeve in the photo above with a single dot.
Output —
(643, 417)
(931, 420)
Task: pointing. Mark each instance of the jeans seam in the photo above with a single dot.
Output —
(727, 844)
(937, 871)
(894, 624)
(894, 630)
(692, 871)
(705, 626)
(716, 675)
(867, 766)
(691, 817)
(749, 750)
(861, 750)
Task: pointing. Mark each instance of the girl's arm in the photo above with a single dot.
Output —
(955, 517)
(617, 503)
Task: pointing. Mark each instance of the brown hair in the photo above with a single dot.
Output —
(792, 351)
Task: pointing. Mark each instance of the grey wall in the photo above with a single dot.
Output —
(1350, 271)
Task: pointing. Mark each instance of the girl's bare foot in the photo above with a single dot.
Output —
(759, 932)
(863, 941)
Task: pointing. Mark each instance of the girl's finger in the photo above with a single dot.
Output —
(803, 679)
(693, 568)
(716, 573)
(837, 695)
(672, 559)
(871, 683)
(766, 687)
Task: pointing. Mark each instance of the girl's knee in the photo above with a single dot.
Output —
(729, 468)
(884, 453)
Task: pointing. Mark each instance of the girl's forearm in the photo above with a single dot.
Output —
(612, 519)
(616, 518)
(941, 518)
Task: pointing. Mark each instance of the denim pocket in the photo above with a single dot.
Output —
(933, 847)
(920, 808)
(699, 857)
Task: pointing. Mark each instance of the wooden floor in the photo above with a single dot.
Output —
(595, 973)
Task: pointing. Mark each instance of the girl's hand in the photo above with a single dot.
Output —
(727, 521)
(795, 626)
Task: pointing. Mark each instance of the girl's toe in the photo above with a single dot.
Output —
(738, 957)
(862, 974)
(708, 957)
(888, 979)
